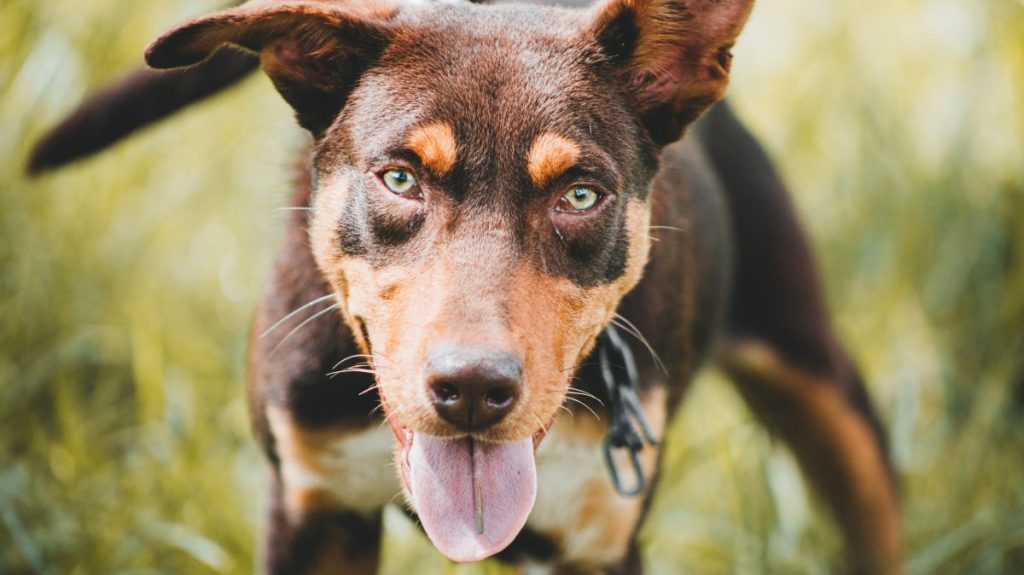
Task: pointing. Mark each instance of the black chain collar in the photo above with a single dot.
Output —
(628, 427)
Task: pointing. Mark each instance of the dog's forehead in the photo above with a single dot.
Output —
(498, 76)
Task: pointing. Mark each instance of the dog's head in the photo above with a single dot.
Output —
(480, 206)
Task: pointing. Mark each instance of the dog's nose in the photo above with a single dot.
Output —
(472, 388)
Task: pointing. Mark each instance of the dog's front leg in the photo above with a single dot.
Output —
(324, 540)
(329, 485)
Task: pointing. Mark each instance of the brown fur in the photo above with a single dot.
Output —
(679, 54)
(815, 420)
(492, 109)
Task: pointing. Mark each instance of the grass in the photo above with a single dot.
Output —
(127, 282)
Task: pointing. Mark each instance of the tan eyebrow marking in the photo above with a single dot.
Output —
(434, 143)
(549, 156)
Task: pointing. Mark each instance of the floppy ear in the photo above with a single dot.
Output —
(672, 56)
(313, 51)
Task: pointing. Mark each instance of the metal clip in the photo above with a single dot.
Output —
(628, 427)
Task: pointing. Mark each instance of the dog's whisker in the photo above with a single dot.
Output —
(380, 407)
(353, 369)
(382, 423)
(353, 356)
(585, 406)
(630, 328)
(580, 365)
(577, 366)
(583, 393)
(294, 209)
(292, 314)
(303, 324)
(391, 411)
(361, 368)
(362, 365)
(540, 424)
(672, 228)
(401, 493)
(369, 389)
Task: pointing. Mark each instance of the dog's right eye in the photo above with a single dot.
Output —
(399, 181)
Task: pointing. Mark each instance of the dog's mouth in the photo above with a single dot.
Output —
(473, 497)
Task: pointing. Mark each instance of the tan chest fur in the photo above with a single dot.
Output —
(335, 469)
(576, 504)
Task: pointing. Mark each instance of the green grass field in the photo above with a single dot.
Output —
(127, 283)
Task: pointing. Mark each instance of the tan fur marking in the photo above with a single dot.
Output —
(334, 469)
(834, 446)
(383, 9)
(549, 156)
(577, 505)
(435, 145)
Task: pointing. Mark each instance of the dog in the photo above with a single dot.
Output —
(473, 246)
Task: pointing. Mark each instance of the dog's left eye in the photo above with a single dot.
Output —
(399, 181)
(577, 200)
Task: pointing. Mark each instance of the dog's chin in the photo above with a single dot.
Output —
(472, 496)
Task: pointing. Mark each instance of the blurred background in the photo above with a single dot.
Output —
(127, 282)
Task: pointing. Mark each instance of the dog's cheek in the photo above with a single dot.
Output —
(389, 302)
(563, 319)
(335, 244)
(604, 299)
(328, 209)
(638, 223)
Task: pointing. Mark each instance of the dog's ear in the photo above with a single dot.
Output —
(313, 51)
(672, 56)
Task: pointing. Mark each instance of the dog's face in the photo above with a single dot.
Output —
(480, 206)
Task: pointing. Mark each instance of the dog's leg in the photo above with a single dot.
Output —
(835, 442)
(319, 541)
(788, 364)
(328, 489)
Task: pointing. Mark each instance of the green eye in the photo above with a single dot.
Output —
(398, 181)
(578, 199)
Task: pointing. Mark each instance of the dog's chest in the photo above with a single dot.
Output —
(576, 507)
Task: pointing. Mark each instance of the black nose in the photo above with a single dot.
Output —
(473, 388)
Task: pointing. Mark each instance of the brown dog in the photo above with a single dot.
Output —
(484, 182)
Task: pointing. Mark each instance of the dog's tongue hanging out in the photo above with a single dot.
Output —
(472, 497)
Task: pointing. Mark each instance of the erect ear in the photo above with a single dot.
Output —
(672, 56)
(313, 51)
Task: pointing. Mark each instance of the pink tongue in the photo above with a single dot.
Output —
(472, 497)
